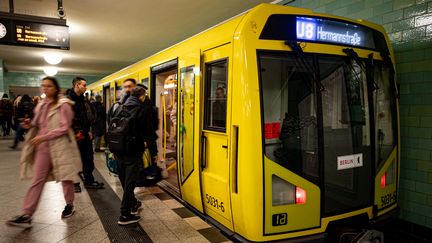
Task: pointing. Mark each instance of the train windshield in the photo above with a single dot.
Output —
(328, 112)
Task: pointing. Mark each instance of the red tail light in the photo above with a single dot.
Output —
(383, 180)
(300, 196)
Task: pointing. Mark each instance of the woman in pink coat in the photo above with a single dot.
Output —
(50, 152)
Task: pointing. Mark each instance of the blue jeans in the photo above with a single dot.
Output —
(19, 133)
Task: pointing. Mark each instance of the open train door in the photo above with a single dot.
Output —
(215, 134)
(188, 129)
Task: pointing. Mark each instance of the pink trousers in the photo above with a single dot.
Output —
(41, 169)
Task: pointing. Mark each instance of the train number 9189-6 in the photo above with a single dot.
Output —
(215, 203)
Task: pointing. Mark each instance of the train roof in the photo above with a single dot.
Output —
(222, 33)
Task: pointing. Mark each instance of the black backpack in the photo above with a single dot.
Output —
(121, 130)
(91, 112)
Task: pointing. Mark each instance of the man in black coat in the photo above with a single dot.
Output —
(81, 125)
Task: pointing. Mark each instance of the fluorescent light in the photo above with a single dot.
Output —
(50, 71)
(53, 58)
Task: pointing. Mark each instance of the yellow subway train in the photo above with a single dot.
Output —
(277, 123)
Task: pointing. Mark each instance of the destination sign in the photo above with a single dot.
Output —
(324, 30)
(19, 32)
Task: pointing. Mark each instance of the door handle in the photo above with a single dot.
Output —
(203, 152)
(225, 146)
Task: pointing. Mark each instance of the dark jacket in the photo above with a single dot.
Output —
(114, 107)
(149, 120)
(99, 127)
(80, 121)
(25, 108)
(140, 130)
(5, 108)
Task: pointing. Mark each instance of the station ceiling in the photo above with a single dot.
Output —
(108, 35)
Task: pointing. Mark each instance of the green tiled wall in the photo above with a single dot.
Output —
(33, 79)
(409, 25)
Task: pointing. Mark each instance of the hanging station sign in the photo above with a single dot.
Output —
(27, 33)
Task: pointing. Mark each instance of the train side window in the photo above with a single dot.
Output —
(215, 96)
(385, 114)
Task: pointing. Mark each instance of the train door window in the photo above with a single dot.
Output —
(215, 96)
(346, 128)
(186, 121)
(385, 113)
(289, 109)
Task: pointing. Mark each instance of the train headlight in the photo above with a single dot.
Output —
(388, 177)
(285, 193)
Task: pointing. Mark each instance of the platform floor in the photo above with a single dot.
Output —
(97, 211)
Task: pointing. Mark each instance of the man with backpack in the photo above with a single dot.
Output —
(85, 116)
(128, 85)
(129, 128)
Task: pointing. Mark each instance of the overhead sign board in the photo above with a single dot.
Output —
(311, 29)
(26, 33)
(330, 31)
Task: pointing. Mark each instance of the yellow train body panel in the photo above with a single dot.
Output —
(232, 179)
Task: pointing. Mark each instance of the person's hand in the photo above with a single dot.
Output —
(90, 135)
(26, 123)
(37, 140)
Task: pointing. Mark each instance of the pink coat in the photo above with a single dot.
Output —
(63, 150)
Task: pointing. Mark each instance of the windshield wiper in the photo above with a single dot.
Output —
(354, 56)
(371, 73)
(368, 69)
(386, 58)
(300, 59)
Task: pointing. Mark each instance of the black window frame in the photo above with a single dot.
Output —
(207, 93)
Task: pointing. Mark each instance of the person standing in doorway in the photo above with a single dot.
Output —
(49, 153)
(81, 125)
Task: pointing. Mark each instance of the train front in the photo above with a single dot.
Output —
(328, 114)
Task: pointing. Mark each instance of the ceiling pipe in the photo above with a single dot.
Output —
(11, 6)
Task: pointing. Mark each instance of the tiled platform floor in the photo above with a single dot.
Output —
(163, 218)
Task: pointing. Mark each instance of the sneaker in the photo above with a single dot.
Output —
(125, 220)
(94, 185)
(77, 187)
(135, 208)
(23, 221)
(68, 211)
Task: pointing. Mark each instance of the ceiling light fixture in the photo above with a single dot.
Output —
(53, 58)
(50, 71)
